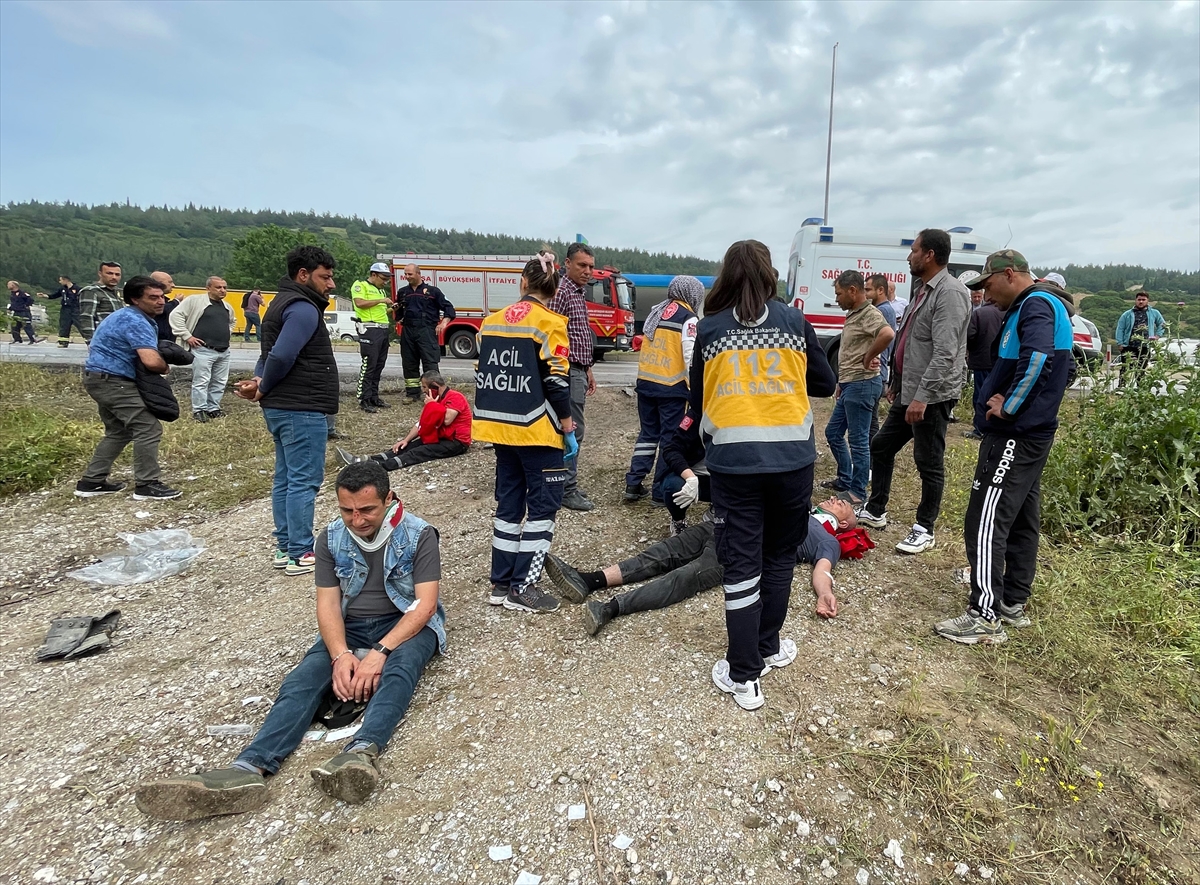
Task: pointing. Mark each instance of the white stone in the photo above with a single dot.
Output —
(895, 852)
(961, 870)
(862, 877)
(986, 872)
(621, 842)
(803, 829)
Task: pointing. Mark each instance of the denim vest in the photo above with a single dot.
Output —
(351, 568)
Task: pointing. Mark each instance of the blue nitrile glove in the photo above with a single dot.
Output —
(570, 447)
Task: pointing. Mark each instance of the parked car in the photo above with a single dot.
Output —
(341, 325)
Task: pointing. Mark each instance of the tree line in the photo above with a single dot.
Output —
(40, 241)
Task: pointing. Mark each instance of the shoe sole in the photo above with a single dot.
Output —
(738, 698)
(518, 607)
(294, 571)
(1019, 624)
(592, 622)
(569, 591)
(193, 801)
(353, 784)
(913, 551)
(497, 600)
(138, 497)
(279, 564)
(873, 523)
(990, 639)
(79, 494)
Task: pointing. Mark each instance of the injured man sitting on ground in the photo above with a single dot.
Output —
(686, 564)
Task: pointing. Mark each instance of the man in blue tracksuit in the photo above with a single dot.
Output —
(1018, 412)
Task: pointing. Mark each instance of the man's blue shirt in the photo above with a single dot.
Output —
(115, 345)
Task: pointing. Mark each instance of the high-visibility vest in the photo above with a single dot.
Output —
(757, 417)
(661, 368)
(523, 351)
(365, 290)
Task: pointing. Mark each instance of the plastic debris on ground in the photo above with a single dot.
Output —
(500, 852)
(527, 878)
(314, 734)
(229, 730)
(338, 733)
(621, 842)
(576, 812)
(895, 852)
(151, 555)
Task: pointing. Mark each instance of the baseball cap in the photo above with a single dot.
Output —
(380, 267)
(998, 262)
(1056, 278)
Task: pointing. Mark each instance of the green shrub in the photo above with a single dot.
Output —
(38, 449)
(1128, 462)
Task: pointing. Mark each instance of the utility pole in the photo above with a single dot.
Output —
(829, 144)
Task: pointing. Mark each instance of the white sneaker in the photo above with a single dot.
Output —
(917, 541)
(786, 654)
(748, 695)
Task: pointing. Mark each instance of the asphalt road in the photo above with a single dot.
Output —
(611, 373)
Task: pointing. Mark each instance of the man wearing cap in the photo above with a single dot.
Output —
(1135, 330)
(1018, 412)
(425, 312)
(373, 310)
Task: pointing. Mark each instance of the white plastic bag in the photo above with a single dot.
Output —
(151, 555)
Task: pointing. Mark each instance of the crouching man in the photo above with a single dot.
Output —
(377, 575)
(686, 564)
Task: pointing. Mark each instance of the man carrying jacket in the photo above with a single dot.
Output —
(1135, 330)
(926, 381)
(373, 310)
(385, 609)
(1019, 406)
(296, 383)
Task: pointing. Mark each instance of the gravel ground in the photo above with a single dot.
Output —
(524, 717)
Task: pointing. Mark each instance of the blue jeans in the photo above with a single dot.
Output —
(299, 468)
(210, 374)
(303, 689)
(852, 417)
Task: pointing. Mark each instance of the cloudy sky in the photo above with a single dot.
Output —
(676, 126)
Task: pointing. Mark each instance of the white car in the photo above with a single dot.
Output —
(1087, 349)
(1185, 349)
(341, 325)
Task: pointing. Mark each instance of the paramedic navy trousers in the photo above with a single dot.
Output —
(1003, 520)
(759, 521)
(658, 416)
(529, 490)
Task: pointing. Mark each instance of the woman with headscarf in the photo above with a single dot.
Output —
(662, 382)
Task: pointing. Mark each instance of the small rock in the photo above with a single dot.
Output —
(986, 872)
(862, 877)
(803, 829)
(877, 670)
(961, 870)
(631, 855)
(895, 852)
(752, 821)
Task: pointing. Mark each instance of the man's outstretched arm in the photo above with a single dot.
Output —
(822, 581)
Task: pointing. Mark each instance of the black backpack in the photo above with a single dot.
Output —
(245, 302)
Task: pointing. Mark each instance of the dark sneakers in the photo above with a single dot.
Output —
(531, 599)
(379, 404)
(367, 406)
(635, 493)
(201, 417)
(207, 794)
(569, 582)
(351, 776)
(154, 491)
(87, 489)
(576, 500)
(595, 616)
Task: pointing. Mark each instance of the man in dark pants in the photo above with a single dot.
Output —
(20, 306)
(68, 314)
(425, 312)
(926, 381)
(570, 302)
(1136, 329)
(982, 330)
(686, 564)
(373, 311)
(1021, 396)
(385, 609)
(126, 337)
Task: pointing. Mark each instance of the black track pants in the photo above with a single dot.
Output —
(373, 345)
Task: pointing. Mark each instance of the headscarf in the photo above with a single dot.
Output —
(687, 289)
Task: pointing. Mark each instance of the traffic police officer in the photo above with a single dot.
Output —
(523, 406)
(425, 312)
(372, 310)
(759, 361)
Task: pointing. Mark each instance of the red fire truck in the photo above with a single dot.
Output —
(478, 285)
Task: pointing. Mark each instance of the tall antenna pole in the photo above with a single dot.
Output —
(829, 145)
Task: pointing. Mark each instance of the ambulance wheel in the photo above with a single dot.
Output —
(461, 345)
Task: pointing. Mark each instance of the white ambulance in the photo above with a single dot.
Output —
(821, 252)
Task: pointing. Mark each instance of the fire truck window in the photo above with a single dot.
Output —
(598, 294)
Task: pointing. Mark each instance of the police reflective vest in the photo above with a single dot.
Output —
(376, 313)
(756, 414)
(521, 385)
(661, 367)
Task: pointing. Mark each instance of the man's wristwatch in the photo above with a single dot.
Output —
(381, 648)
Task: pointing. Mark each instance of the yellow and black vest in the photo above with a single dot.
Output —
(521, 382)
(661, 369)
(756, 414)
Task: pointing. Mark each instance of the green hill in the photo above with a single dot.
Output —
(40, 241)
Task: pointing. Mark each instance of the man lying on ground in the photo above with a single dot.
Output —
(443, 431)
(386, 609)
(686, 564)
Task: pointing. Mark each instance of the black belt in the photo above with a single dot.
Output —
(217, 349)
(580, 366)
(105, 375)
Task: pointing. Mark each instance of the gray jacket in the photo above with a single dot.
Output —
(936, 348)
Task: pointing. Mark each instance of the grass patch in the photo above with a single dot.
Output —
(37, 448)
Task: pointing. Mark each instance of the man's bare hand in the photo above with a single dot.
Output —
(872, 364)
(248, 390)
(890, 395)
(995, 406)
(400, 444)
(915, 413)
(366, 676)
(441, 326)
(591, 379)
(343, 677)
(827, 605)
(195, 342)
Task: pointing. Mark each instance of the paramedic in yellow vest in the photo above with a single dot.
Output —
(757, 363)
(669, 335)
(523, 407)
(372, 299)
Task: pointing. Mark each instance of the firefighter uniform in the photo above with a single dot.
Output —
(420, 310)
(521, 397)
(374, 336)
(751, 381)
(662, 393)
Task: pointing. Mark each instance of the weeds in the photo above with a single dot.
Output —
(36, 448)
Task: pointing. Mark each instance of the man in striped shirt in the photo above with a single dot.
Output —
(571, 303)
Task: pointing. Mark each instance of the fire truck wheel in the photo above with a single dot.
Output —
(461, 345)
